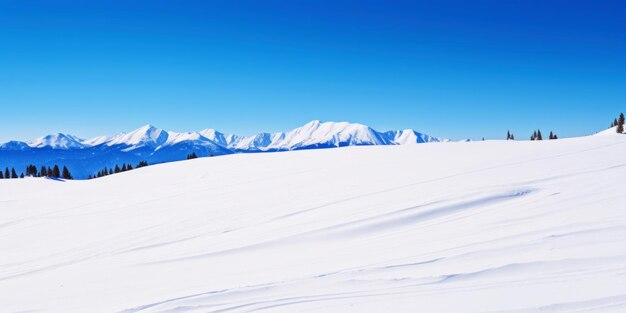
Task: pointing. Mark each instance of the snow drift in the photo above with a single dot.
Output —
(495, 226)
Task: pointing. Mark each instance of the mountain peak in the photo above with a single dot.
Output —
(146, 135)
(56, 141)
(14, 145)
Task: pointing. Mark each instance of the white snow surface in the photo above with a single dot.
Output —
(488, 226)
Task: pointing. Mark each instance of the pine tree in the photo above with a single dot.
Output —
(22, 175)
(508, 135)
(66, 173)
(1, 175)
(124, 169)
(7, 174)
(512, 136)
(539, 137)
(129, 167)
(56, 173)
(620, 124)
(13, 173)
(31, 170)
(117, 169)
(44, 172)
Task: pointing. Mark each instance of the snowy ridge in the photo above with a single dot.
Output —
(155, 145)
(57, 141)
(145, 136)
(312, 134)
(494, 226)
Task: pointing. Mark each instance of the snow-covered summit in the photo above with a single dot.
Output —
(14, 145)
(329, 134)
(146, 135)
(219, 138)
(409, 136)
(57, 141)
(96, 141)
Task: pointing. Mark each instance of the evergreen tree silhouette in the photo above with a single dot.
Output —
(56, 173)
(66, 173)
(13, 173)
(620, 124)
(7, 174)
(539, 137)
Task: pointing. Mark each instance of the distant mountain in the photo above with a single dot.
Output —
(57, 141)
(85, 157)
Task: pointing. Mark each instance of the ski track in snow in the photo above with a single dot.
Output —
(490, 227)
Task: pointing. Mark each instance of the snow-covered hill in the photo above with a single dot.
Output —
(155, 145)
(493, 226)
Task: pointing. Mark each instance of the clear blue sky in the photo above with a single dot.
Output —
(453, 69)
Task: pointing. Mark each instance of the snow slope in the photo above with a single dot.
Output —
(494, 226)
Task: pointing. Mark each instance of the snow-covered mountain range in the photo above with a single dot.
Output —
(87, 156)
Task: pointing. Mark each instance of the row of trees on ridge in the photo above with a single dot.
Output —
(33, 171)
(117, 169)
(536, 135)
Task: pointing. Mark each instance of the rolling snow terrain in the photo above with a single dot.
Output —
(154, 145)
(493, 226)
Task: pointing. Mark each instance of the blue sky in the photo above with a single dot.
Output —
(453, 69)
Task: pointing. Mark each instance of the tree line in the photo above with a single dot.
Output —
(117, 169)
(33, 171)
(127, 167)
(536, 135)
